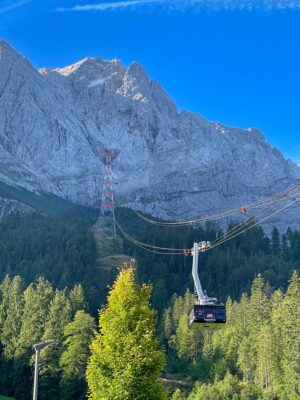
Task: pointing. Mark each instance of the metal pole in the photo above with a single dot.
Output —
(114, 221)
(195, 274)
(37, 347)
(36, 375)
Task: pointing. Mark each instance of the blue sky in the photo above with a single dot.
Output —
(233, 61)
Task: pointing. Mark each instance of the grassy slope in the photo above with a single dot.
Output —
(109, 254)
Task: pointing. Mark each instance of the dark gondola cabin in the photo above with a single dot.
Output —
(211, 316)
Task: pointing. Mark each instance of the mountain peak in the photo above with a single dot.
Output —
(173, 165)
(137, 71)
(87, 64)
(5, 44)
(7, 53)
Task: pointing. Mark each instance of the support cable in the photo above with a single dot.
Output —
(257, 204)
(255, 224)
(236, 231)
(138, 243)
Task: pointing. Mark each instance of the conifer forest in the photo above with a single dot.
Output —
(123, 335)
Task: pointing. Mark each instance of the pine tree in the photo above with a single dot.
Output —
(37, 299)
(277, 349)
(78, 335)
(168, 325)
(205, 392)
(259, 315)
(36, 307)
(259, 309)
(4, 304)
(12, 323)
(246, 359)
(77, 299)
(126, 360)
(177, 395)
(243, 319)
(6, 365)
(188, 343)
(265, 363)
(226, 341)
(229, 387)
(275, 241)
(58, 318)
(290, 361)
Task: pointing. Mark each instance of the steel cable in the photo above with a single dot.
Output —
(258, 204)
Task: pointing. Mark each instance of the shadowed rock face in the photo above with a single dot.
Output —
(54, 125)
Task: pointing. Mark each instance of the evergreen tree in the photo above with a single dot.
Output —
(205, 392)
(277, 350)
(58, 318)
(12, 322)
(37, 299)
(78, 335)
(36, 307)
(275, 241)
(77, 299)
(259, 308)
(188, 343)
(265, 360)
(290, 360)
(126, 360)
(4, 304)
(177, 395)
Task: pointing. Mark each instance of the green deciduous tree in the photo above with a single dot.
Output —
(126, 360)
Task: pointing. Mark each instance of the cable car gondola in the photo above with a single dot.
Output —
(211, 316)
(206, 312)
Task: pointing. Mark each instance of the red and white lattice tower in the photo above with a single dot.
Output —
(107, 201)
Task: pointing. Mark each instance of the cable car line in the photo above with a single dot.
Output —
(229, 213)
(159, 252)
(234, 232)
(260, 218)
(257, 223)
(257, 204)
(241, 226)
(206, 311)
(146, 246)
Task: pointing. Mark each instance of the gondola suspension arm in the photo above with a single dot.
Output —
(203, 299)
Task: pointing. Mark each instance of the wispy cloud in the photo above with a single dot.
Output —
(12, 5)
(214, 5)
(111, 5)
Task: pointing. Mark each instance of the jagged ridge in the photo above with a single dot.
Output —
(55, 123)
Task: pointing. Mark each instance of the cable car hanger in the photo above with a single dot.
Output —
(206, 312)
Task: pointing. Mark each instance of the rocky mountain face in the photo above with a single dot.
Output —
(55, 124)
